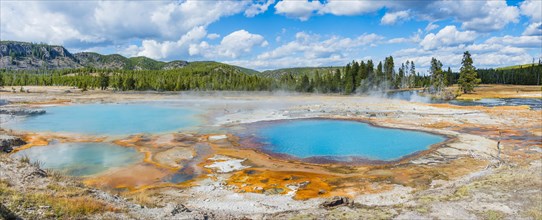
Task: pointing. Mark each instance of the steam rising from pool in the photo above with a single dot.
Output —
(111, 119)
(81, 159)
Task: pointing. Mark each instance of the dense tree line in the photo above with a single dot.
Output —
(360, 77)
(530, 75)
(214, 77)
(356, 77)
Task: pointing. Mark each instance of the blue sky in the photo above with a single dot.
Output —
(271, 34)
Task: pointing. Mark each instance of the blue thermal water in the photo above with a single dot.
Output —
(81, 159)
(110, 119)
(338, 138)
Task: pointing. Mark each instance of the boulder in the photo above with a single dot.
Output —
(179, 208)
(336, 201)
(7, 142)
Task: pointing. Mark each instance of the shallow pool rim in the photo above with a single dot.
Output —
(252, 143)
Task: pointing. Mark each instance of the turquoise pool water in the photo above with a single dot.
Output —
(81, 159)
(110, 119)
(338, 138)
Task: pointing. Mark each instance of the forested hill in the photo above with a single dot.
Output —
(310, 71)
(29, 56)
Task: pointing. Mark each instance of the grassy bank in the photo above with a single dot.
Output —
(501, 91)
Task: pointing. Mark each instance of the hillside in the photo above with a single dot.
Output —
(116, 61)
(299, 71)
(30, 56)
(518, 66)
(21, 55)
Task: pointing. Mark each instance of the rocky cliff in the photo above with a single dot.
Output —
(29, 56)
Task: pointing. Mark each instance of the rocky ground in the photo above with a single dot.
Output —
(468, 177)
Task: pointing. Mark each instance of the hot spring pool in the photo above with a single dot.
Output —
(110, 119)
(342, 139)
(81, 159)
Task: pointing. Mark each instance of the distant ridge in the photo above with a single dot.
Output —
(518, 66)
(16, 55)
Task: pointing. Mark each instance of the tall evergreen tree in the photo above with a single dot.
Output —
(355, 72)
(379, 75)
(468, 78)
(317, 82)
(389, 71)
(348, 81)
(450, 79)
(438, 80)
(104, 81)
(400, 76)
(337, 85)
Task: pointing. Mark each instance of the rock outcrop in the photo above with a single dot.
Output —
(29, 56)
(336, 201)
(22, 111)
(7, 142)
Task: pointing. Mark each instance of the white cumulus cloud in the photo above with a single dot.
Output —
(534, 29)
(167, 49)
(518, 41)
(213, 36)
(394, 17)
(76, 23)
(311, 50)
(258, 8)
(447, 36)
(300, 9)
(533, 9)
(341, 7)
(233, 45)
(430, 27)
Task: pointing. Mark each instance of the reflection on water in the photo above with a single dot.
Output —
(81, 159)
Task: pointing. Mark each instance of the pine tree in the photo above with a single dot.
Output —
(304, 85)
(468, 78)
(348, 81)
(317, 82)
(438, 79)
(104, 81)
(400, 76)
(337, 85)
(379, 74)
(450, 77)
(355, 74)
(389, 71)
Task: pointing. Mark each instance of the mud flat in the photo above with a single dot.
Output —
(466, 176)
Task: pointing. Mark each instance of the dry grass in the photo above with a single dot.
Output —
(502, 91)
(145, 198)
(493, 215)
(24, 159)
(535, 213)
(56, 202)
